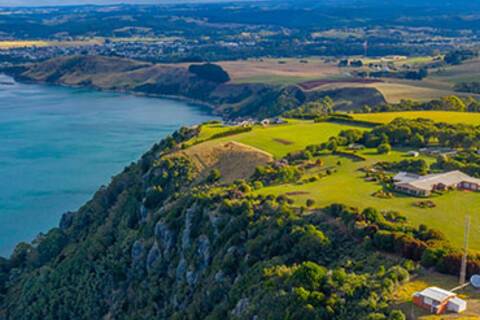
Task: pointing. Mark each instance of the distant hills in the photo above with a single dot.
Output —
(229, 100)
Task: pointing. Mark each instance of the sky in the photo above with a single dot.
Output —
(73, 2)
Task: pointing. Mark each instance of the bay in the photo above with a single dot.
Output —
(59, 145)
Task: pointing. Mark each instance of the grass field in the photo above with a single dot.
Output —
(438, 116)
(348, 186)
(403, 297)
(279, 140)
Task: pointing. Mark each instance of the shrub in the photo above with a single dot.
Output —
(310, 202)
(214, 176)
(384, 148)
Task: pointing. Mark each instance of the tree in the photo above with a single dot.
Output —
(454, 103)
(396, 315)
(384, 148)
(50, 246)
(310, 202)
(417, 140)
(214, 176)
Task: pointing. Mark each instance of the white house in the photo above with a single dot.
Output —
(424, 185)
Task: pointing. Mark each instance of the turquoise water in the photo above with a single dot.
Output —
(59, 145)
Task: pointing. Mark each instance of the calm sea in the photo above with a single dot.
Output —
(59, 145)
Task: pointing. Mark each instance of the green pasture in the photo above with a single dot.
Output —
(279, 140)
(438, 116)
(347, 185)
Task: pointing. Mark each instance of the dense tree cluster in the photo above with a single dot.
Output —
(277, 174)
(459, 56)
(471, 87)
(423, 132)
(418, 166)
(466, 161)
(448, 103)
(425, 245)
(409, 75)
(209, 71)
(313, 109)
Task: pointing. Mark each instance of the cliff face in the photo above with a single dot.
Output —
(159, 244)
(227, 99)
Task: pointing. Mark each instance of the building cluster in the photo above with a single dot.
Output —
(251, 122)
(140, 50)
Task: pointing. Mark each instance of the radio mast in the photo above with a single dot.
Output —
(463, 269)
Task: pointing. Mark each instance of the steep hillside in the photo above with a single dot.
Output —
(152, 245)
(227, 99)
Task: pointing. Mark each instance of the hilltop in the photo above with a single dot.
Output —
(230, 99)
(235, 223)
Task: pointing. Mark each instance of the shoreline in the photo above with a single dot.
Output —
(199, 112)
(202, 104)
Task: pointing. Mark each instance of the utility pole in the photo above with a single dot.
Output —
(463, 269)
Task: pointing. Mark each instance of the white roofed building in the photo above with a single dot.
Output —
(439, 301)
(424, 185)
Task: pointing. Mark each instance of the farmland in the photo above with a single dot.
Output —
(438, 116)
(280, 71)
(324, 74)
(347, 184)
(44, 43)
(281, 139)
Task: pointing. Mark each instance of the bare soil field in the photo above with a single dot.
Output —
(234, 160)
(309, 85)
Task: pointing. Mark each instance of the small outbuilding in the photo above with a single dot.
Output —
(355, 146)
(439, 301)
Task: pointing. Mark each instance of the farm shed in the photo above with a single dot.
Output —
(438, 301)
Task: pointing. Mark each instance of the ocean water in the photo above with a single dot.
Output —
(59, 145)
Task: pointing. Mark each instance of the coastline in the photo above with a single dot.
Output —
(202, 104)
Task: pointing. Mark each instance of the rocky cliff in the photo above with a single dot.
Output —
(158, 243)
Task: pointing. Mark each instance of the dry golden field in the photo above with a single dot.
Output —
(288, 71)
(44, 43)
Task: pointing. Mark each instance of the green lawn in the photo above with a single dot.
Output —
(438, 116)
(282, 139)
(347, 186)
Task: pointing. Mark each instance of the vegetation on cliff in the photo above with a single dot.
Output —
(157, 242)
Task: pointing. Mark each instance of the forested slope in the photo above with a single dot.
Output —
(157, 243)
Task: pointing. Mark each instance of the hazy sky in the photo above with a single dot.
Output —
(69, 2)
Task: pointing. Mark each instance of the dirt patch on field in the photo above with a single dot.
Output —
(297, 193)
(283, 141)
(309, 85)
(234, 160)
